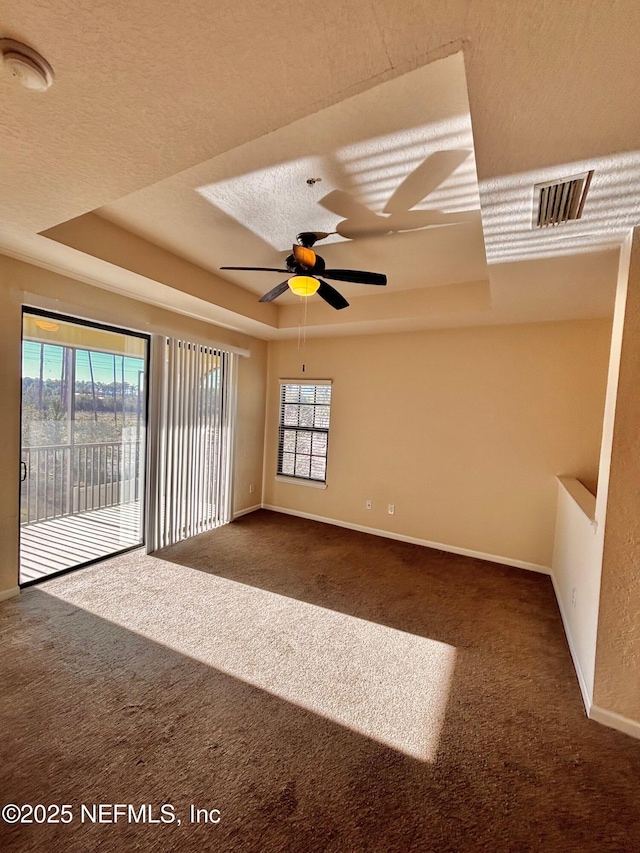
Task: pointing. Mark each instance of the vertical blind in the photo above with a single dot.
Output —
(192, 405)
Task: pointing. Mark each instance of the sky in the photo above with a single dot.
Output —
(101, 362)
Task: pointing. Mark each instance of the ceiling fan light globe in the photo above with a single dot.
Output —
(303, 285)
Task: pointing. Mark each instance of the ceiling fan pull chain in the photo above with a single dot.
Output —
(304, 334)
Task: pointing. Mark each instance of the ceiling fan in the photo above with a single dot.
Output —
(304, 268)
(399, 213)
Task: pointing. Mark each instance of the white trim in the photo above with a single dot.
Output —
(305, 380)
(298, 481)
(582, 498)
(412, 540)
(246, 511)
(615, 721)
(584, 690)
(9, 593)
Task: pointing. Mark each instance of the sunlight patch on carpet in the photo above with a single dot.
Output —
(385, 684)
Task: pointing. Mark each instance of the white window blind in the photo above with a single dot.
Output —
(303, 436)
(192, 414)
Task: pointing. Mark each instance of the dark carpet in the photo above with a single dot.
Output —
(281, 684)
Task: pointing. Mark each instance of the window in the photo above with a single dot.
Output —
(304, 430)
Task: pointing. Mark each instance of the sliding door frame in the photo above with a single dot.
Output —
(106, 327)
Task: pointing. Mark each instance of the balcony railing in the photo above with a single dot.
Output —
(63, 479)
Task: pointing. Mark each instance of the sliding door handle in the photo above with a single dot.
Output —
(23, 471)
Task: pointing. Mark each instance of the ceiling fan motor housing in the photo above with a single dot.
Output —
(309, 238)
(305, 261)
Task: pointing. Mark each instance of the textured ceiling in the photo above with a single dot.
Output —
(145, 92)
(406, 143)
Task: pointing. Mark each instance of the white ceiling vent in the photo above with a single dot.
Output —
(555, 202)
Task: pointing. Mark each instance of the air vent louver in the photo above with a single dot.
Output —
(560, 201)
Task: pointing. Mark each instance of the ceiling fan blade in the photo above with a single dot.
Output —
(425, 179)
(256, 269)
(345, 205)
(357, 276)
(331, 296)
(358, 220)
(276, 291)
(352, 229)
(414, 220)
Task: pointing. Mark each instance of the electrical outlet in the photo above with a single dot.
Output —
(392, 509)
(573, 597)
(367, 504)
(252, 488)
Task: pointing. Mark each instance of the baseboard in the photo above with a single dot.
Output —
(615, 721)
(246, 511)
(584, 690)
(412, 540)
(9, 593)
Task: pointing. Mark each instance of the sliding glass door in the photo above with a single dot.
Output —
(82, 466)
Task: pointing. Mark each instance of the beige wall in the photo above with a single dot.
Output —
(617, 681)
(22, 283)
(463, 430)
(100, 238)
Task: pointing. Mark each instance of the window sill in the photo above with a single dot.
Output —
(315, 484)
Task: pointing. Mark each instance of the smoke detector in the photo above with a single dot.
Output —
(26, 66)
